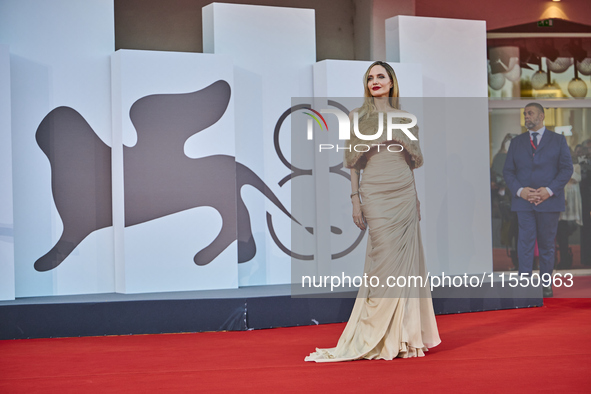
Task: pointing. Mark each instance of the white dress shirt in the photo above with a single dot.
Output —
(531, 137)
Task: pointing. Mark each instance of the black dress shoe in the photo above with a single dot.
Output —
(547, 292)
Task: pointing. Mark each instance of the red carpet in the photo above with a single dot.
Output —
(545, 349)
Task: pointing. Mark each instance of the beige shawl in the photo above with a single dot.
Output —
(368, 126)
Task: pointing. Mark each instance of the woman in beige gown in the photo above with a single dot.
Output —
(390, 321)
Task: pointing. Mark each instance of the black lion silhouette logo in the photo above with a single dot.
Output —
(159, 179)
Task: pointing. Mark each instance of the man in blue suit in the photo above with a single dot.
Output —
(537, 168)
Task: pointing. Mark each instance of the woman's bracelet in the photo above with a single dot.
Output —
(355, 193)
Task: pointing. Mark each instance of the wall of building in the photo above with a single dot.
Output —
(345, 29)
(504, 13)
(176, 25)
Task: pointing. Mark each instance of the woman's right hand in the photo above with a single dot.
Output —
(358, 218)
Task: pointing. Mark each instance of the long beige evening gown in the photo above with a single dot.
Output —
(388, 322)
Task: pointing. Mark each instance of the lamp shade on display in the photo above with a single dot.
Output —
(584, 67)
(539, 79)
(560, 65)
(496, 81)
(577, 88)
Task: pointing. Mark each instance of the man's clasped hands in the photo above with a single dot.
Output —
(536, 196)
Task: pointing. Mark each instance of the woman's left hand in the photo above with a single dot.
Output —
(419, 209)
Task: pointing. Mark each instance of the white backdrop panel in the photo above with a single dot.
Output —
(452, 53)
(6, 220)
(59, 57)
(157, 255)
(273, 50)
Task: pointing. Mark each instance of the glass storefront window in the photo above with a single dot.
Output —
(574, 231)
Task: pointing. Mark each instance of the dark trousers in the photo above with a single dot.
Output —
(565, 230)
(541, 226)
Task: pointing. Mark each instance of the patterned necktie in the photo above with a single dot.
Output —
(535, 139)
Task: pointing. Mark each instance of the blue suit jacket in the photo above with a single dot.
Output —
(551, 166)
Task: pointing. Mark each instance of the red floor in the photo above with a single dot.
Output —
(546, 349)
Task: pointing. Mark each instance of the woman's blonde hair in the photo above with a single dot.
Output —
(368, 104)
